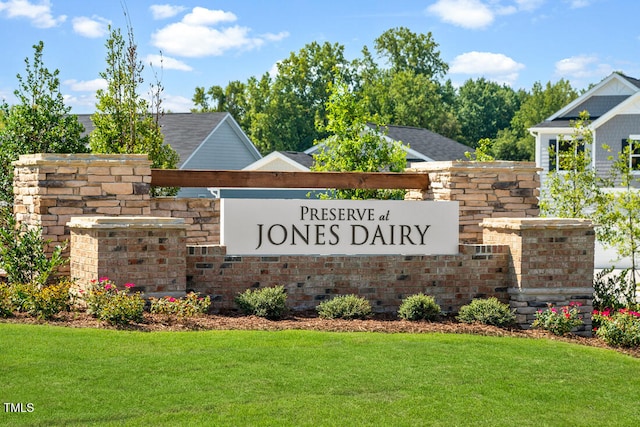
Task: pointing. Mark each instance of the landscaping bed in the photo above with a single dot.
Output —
(306, 321)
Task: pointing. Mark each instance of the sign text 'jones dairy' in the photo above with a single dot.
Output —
(331, 227)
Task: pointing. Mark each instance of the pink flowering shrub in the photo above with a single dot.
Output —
(619, 328)
(117, 307)
(191, 305)
(558, 321)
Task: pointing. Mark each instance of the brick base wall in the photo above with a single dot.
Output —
(478, 271)
(148, 252)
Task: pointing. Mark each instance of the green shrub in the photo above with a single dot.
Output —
(6, 306)
(270, 303)
(419, 307)
(344, 307)
(23, 252)
(117, 307)
(558, 322)
(487, 311)
(618, 329)
(189, 306)
(40, 301)
(613, 291)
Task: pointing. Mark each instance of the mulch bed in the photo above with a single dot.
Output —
(307, 321)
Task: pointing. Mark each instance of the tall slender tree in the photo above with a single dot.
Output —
(124, 121)
(39, 123)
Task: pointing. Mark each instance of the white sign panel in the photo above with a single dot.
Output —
(332, 227)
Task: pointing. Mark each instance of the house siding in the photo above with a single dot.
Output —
(612, 133)
(223, 149)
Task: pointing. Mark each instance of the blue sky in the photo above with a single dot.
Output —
(204, 42)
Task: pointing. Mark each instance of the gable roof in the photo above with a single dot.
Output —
(614, 95)
(420, 144)
(186, 132)
(283, 160)
(425, 144)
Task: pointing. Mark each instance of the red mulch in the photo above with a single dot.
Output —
(233, 321)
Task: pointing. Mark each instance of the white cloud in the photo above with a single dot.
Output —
(582, 67)
(197, 35)
(86, 85)
(471, 14)
(167, 63)
(177, 104)
(164, 11)
(493, 66)
(91, 27)
(202, 16)
(38, 13)
(479, 14)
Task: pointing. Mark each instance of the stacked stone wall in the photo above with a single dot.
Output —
(483, 190)
(201, 216)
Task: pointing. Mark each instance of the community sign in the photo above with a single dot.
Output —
(336, 227)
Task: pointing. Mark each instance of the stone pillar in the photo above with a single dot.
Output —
(149, 252)
(551, 263)
(51, 188)
(483, 190)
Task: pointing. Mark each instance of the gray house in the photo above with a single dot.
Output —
(421, 144)
(203, 141)
(614, 110)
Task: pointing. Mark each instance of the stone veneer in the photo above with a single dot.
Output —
(483, 190)
(552, 262)
(146, 251)
(529, 261)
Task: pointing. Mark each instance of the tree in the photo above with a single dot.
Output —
(573, 187)
(515, 142)
(39, 123)
(352, 146)
(484, 108)
(124, 122)
(408, 91)
(231, 99)
(405, 50)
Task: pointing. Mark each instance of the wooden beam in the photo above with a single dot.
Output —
(272, 179)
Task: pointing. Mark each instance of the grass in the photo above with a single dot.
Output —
(307, 378)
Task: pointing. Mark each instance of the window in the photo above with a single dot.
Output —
(634, 151)
(560, 152)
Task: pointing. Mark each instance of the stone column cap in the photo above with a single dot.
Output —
(535, 223)
(126, 222)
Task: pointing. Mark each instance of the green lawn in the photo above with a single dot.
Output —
(305, 378)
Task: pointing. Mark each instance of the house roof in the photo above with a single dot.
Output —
(185, 132)
(603, 99)
(429, 145)
(283, 160)
(420, 144)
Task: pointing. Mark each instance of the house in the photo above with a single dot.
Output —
(203, 141)
(614, 110)
(421, 145)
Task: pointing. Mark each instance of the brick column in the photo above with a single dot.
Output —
(551, 263)
(147, 251)
(483, 190)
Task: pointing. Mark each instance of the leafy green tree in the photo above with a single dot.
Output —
(618, 214)
(572, 189)
(484, 108)
(39, 123)
(407, 91)
(352, 146)
(515, 142)
(126, 123)
(231, 99)
(405, 50)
